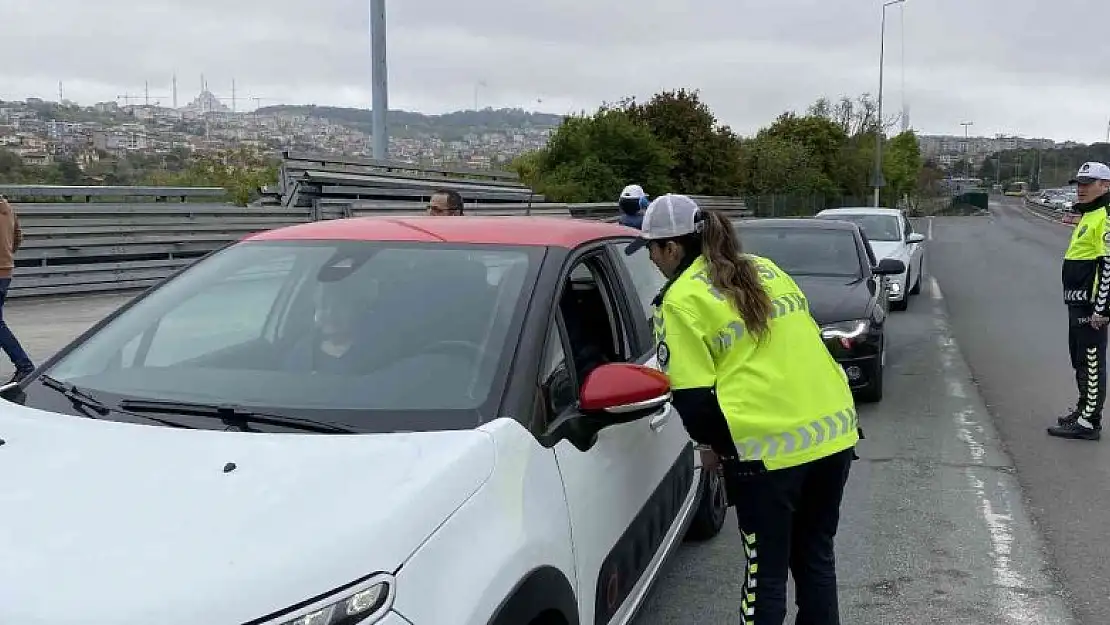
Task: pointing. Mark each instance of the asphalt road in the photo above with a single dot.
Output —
(935, 528)
(1001, 282)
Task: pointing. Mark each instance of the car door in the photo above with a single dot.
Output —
(615, 491)
(915, 249)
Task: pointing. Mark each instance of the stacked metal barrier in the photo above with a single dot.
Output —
(131, 242)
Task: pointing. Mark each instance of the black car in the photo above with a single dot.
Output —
(833, 264)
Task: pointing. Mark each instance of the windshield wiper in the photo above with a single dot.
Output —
(232, 415)
(87, 404)
(79, 398)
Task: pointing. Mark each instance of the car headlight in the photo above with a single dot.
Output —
(845, 329)
(361, 603)
(894, 287)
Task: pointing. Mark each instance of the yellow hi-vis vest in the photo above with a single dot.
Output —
(787, 402)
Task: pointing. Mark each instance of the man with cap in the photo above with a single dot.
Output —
(632, 202)
(1086, 283)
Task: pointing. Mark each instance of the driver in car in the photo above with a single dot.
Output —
(331, 345)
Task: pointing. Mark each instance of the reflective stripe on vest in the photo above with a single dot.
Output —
(810, 435)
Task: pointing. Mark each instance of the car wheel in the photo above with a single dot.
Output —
(916, 290)
(549, 618)
(902, 304)
(873, 392)
(712, 509)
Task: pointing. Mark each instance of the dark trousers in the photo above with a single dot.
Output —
(788, 520)
(8, 342)
(1088, 357)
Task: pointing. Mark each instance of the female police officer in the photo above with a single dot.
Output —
(757, 389)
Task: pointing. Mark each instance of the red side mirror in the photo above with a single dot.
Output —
(620, 388)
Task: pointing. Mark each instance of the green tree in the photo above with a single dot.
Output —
(822, 145)
(778, 165)
(901, 166)
(590, 158)
(706, 154)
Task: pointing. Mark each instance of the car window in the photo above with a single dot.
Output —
(209, 323)
(559, 389)
(802, 252)
(877, 227)
(362, 332)
(647, 280)
(867, 247)
(594, 332)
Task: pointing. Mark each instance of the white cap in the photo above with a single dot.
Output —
(1091, 172)
(632, 191)
(668, 216)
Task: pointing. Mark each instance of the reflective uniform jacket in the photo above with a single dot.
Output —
(1086, 270)
(785, 400)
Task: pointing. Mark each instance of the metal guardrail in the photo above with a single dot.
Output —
(82, 248)
(17, 192)
(306, 179)
(1043, 208)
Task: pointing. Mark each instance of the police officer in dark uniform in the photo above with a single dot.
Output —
(1086, 282)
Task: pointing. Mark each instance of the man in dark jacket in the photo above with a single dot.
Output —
(1086, 285)
(632, 202)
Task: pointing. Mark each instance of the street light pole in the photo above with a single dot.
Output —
(380, 97)
(967, 152)
(877, 180)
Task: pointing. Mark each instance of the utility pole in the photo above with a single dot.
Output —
(146, 91)
(175, 90)
(967, 151)
(380, 103)
(61, 93)
(877, 179)
(233, 95)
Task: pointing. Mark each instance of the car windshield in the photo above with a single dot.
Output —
(804, 251)
(876, 227)
(375, 336)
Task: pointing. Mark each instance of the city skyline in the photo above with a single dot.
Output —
(1003, 69)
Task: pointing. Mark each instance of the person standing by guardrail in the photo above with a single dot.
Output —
(11, 237)
(445, 203)
(760, 393)
(1086, 281)
(632, 201)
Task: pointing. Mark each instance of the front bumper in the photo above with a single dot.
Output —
(860, 357)
(860, 371)
(392, 618)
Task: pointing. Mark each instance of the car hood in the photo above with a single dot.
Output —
(835, 299)
(105, 523)
(888, 249)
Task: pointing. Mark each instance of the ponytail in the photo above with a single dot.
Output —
(734, 274)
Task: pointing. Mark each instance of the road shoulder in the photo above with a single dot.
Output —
(935, 528)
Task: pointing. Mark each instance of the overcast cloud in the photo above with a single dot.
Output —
(1009, 66)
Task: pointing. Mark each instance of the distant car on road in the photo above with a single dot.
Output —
(377, 420)
(891, 235)
(843, 281)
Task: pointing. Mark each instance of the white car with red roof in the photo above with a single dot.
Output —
(431, 421)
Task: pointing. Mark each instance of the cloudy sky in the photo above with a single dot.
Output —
(1008, 66)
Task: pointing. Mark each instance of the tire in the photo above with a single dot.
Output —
(916, 290)
(901, 305)
(711, 511)
(873, 392)
(549, 618)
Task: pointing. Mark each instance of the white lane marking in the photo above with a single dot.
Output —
(930, 237)
(934, 289)
(997, 516)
